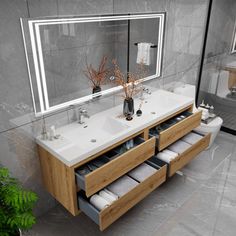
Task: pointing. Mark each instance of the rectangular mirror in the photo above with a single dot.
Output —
(59, 50)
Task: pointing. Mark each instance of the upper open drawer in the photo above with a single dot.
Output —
(104, 170)
(175, 128)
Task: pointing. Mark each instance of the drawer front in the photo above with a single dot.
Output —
(110, 214)
(178, 130)
(114, 169)
(188, 155)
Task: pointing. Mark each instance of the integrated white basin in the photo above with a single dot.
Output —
(94, 133)
(80, 141)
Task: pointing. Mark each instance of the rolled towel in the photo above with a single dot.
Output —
(192, 138)
(179, 147)
(172, 154)
(164, 157)
(110, 193)
(107, 196)
(99, 202)
(122, 185)
(142, 172)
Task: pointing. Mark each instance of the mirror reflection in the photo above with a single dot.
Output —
(70, 59)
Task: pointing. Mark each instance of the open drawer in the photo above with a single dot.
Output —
(184, 158)
(175, 128)
(107, 216)
(117, 162)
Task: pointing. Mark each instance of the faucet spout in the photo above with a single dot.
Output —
(82, 114)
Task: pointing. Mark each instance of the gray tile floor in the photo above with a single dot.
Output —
(201, 202)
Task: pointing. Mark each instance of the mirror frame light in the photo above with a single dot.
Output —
(233, 49)
(37, 53)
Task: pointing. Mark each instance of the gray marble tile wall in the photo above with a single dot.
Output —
(18, 126)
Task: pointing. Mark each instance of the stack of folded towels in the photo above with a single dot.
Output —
(142, 172)
(112, 192)
(179, 147)
(103, 199)
(121, 186)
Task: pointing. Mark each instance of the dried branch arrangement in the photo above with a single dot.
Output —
(97, 77)
(133, 87)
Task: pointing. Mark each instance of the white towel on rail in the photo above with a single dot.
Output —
(144, 53)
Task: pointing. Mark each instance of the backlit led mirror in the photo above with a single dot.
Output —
(58, 51)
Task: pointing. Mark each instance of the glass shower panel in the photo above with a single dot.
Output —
(218, 79)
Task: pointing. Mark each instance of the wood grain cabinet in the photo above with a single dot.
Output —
(72, 188)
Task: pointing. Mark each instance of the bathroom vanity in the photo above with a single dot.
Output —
(101, 138)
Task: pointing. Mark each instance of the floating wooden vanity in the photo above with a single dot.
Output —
(73, 190)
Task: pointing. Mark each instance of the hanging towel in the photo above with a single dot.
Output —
(179, 146)
(192, 138)
(107, 196)
(144, 53)
(99, 202)
(122, 185)
(142, 172)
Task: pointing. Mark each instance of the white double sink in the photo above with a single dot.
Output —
(79, 141)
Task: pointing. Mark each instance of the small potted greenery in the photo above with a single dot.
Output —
(16, 205)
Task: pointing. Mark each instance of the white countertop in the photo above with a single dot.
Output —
(74, 144)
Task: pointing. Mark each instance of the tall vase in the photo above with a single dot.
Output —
(96, 89)
(128, 107)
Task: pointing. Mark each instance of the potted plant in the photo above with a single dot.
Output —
(16, 205)
(130, 88)
(97, 77)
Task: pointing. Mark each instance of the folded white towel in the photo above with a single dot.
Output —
(99, 202)
(192, 138)
(179, 146)
(143, 54)
(142, 172)
(110, 193)
(171, 153)
(122, 185)
(204, 117)
(164, 157)
(107, 196)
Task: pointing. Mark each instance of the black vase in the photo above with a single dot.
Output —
(97, 89)
(128, 107)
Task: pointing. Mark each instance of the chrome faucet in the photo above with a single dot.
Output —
(82, 114)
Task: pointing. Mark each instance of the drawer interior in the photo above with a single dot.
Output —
(157, 130)
(174, 128)
(102, 160)
(121, 204)
(186, 155)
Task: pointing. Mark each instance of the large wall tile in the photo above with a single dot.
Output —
(19, 154)
(81, 7)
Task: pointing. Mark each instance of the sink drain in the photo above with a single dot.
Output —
(93, 140)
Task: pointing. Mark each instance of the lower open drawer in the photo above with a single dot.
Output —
(184, 158)
(107, 216)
